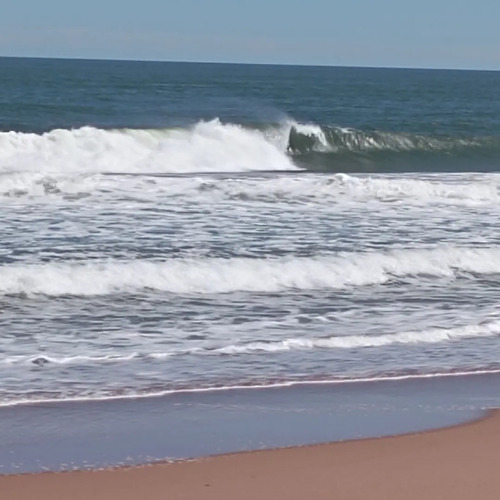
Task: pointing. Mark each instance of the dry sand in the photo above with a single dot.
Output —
(456, 463)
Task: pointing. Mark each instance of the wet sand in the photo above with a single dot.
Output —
(456, 463)
(103, 434)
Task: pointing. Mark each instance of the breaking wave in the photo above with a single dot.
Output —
(213, 146)
(340, 149)
(205, 147)
(305, 138)
(268, 275)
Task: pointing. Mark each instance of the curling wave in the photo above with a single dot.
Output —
(336, 149)
(305, 138)
(213, 146)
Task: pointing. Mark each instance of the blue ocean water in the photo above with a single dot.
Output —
(172, 226)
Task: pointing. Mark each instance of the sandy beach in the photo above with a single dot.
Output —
(459, 462)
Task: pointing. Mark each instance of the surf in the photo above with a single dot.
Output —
(242, 274)
(210, 146)
(216, 146)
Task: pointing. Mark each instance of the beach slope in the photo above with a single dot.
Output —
(456, 463)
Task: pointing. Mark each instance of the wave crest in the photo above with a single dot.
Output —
(67, 161)
(271, 275)
(305, 138)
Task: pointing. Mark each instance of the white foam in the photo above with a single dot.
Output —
(431, 336)
(137, 394)
(71, 161)
(217, 275)
(67, 360)
(309, 189)
(206, 147)
(450, 189)
(342, 188)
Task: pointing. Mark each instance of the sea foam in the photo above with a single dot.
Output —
(431, 336)
(205, 147)
(486, 328)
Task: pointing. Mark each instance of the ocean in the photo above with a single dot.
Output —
(169, 227)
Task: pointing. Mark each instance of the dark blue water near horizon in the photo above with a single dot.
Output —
(172, 226)
(137, 94)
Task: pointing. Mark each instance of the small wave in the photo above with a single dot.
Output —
(341, 188)
(43, 360)
(483, 189)
(124, 394)
(487, 328)
(84, 359)
(432, 336)
(218, 275)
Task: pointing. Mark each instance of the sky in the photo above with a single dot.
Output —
(460, 34)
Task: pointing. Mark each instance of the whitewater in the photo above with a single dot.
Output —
(188, 240)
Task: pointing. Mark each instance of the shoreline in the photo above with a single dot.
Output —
(286, 384)
(459, 462)
(106, 434)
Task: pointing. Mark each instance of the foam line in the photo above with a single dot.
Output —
(218, 275)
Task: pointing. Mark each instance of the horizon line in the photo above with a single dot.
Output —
(235, 63)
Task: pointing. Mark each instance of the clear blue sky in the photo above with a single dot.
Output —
(420, 33)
